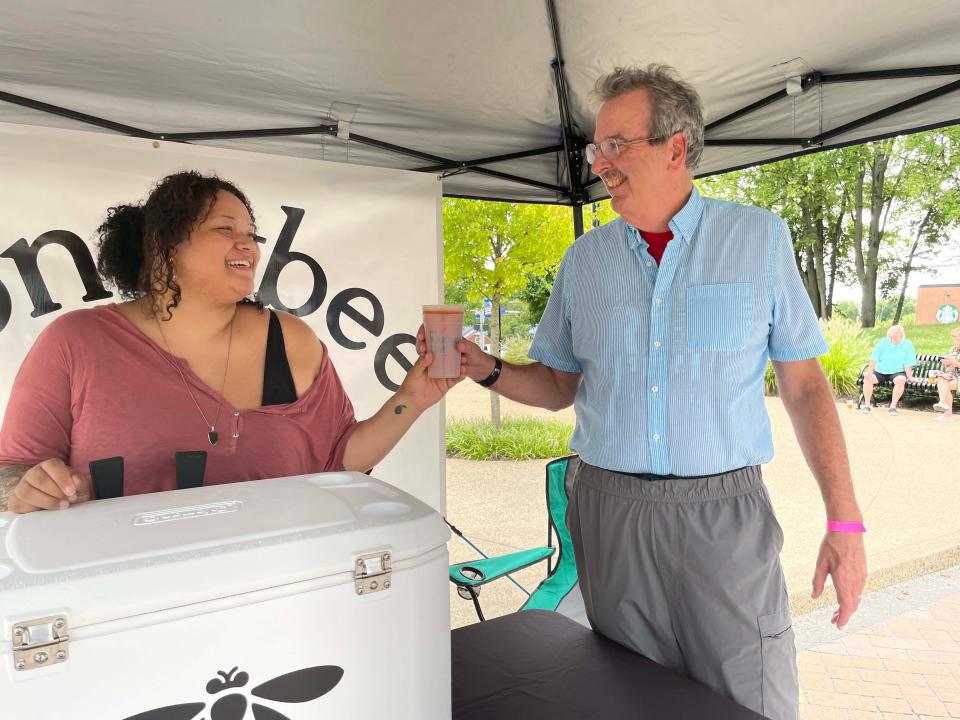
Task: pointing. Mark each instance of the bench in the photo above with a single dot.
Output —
(920, 384)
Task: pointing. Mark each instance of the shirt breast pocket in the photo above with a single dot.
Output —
(719, 316)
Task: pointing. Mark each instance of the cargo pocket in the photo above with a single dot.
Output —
(719, 316)
(779, 686)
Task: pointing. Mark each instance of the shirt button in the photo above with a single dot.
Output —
(658, 301)
(649, 264)
(656, 343)
(655, 388)
(236, 434)
(236, 413)
(656, 437)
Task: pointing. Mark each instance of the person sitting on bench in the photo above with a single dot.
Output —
(891, 361)
(947, 380)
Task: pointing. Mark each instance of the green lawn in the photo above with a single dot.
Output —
(927, 339)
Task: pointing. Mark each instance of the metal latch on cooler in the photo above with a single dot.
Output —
(41, 642)
(372, 573)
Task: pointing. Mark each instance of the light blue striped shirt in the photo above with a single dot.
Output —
(673, 358)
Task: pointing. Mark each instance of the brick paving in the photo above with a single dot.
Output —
(904, 667)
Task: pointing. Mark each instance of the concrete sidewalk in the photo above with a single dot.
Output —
(905, 477)
(899, 659)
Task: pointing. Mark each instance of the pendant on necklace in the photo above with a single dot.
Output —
(212, 436)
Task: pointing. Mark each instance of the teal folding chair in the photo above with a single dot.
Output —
(561, 571)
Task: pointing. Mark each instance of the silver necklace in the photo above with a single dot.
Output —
(212, 435)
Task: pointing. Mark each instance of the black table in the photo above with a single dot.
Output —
(540, 665)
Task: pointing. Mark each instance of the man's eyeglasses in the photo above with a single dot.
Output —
(610, 147)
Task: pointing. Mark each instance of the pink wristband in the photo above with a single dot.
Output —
(845, 527)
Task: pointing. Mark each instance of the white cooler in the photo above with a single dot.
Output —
(320, 596)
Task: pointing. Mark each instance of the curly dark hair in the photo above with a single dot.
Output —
(138, 242)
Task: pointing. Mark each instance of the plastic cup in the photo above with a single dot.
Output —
(443, 326)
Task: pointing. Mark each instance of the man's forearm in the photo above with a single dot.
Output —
(537, 385)
(9, 479)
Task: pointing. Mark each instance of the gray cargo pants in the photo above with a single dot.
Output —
(687, 572)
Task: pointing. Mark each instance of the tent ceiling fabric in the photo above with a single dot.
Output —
(463, 81)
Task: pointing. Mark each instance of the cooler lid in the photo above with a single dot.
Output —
(112, 558)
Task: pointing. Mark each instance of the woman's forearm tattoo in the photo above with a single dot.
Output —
(9, 478)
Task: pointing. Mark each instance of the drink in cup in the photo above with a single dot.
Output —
(443, 326)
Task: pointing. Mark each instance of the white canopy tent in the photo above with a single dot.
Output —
(493, 95)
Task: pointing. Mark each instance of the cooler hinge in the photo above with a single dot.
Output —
(41, 642)
(372, 573)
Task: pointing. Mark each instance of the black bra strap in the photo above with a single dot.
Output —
(278, 387)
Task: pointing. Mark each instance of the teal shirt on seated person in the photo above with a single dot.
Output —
(892, 358)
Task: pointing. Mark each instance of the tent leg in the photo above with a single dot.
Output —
(577, 221)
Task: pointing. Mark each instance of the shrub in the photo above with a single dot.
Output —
(517, 439)
(517, 349)
(770, 380)
(849, 350)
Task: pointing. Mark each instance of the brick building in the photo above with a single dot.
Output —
(938, 304)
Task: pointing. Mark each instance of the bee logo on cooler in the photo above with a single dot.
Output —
(294, 687)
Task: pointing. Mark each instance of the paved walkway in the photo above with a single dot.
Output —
(898, 660)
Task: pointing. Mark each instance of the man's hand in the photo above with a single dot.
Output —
(474, 362)
(50, 485)
(843, 557)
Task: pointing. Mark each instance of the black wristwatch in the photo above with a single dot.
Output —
(494, 375)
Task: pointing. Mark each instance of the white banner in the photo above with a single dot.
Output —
(358, 251)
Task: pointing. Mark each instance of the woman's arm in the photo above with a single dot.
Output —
(9, 478)
(376, 436)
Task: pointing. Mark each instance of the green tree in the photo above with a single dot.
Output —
(536, 294)
(809, 193)
(846, 309)
(492, 246)
(930, 207)
(889, 205)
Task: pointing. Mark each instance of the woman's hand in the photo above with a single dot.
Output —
(422, 391)
(50, 485)
(474, 362)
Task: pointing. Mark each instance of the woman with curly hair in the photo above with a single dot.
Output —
(190, 369)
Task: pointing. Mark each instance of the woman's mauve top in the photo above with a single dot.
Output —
(93, 387)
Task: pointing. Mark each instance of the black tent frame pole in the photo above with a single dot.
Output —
(752, 107)
(817, 78)
(818, 140)
(326, 129)
(78, 116)
(899, 74)
(837, 146)
(573, 142)
(886, 112)
(468, 164)
(577, 220)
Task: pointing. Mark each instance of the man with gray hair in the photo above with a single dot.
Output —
(658, 329)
